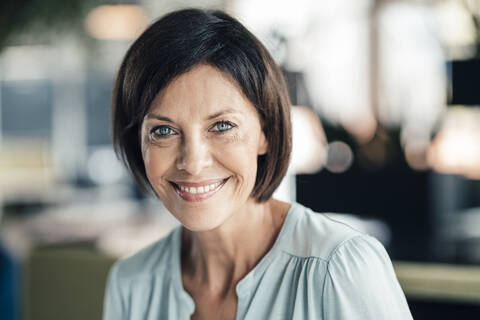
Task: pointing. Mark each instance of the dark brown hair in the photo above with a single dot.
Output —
(175, 44)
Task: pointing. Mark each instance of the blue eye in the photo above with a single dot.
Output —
(223, 126)
(161, 131)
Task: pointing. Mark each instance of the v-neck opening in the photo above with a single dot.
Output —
(244, 285)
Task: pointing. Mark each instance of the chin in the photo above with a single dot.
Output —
(200, 222)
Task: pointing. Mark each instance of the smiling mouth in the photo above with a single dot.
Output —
(198, 193)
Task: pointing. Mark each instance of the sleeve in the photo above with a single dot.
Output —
(113, 305)
(361, 283)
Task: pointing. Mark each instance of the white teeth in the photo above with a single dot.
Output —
(202, 189)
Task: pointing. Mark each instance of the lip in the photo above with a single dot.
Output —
(197, 184)
(198, 196)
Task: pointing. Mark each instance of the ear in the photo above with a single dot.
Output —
(263, 144)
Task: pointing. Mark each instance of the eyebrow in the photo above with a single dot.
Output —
(222, 112)
(210, 117)
(158, 117)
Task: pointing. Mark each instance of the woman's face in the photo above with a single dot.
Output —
(200, 143)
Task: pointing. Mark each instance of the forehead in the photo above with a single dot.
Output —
(203, 89)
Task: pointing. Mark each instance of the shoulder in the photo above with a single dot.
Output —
(319, 235)
(154, 259)
(131, 280)
(363, 255)
(360, 282)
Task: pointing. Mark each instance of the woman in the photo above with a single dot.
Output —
(201, 118)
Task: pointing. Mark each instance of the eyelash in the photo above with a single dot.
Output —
(163, 136)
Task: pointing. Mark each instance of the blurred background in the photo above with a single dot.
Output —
(386, 137)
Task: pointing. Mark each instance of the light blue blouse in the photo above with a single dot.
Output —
(318, 268)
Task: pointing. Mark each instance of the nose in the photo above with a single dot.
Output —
(194, 156)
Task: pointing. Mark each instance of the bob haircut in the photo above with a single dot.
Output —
(175, 44)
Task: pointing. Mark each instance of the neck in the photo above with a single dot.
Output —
(217, 259)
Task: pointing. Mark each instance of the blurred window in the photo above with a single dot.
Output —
(26, 108)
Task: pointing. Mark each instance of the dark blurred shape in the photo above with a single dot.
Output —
(393, 193)
(38, 17)
(297, 88)
(426, 309)
(8, 285)
(464, 81)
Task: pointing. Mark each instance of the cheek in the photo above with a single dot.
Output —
(238, 153)
(156, 163)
